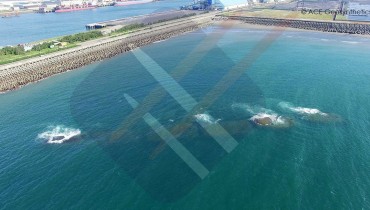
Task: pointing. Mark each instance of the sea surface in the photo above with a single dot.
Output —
(188, 92)
(35, 26)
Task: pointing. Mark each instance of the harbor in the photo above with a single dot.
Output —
(48, 6)
(60, 6)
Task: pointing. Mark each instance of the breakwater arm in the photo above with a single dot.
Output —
(18, 74)
(325, 26)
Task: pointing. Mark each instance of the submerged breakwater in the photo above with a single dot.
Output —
(326, 26)
(21, 73)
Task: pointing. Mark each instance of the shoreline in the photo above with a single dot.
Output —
(18, 74)
(244, 25)
(343, 27)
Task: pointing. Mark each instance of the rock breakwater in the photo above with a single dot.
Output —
(325, 26)
(22, 73)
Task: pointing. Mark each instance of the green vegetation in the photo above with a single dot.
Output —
(175, 18)
(12, 54)
(81, 37)
(17, 50)
(130, 27)
(4, 59)
(16, 53)
(42, 46)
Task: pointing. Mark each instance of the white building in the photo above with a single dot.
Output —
(69, 3)
(49, 5)
(105, 2)
(230, 4)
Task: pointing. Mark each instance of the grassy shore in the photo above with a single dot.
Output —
(4, 59)
(271, 13)
(9, 58)
(15, 53)
(72, 41)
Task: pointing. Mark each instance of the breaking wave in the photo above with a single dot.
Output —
(350, 42)
(265, 117)
(301, 110)
(310, 114)
(205, 119)
(59, 134)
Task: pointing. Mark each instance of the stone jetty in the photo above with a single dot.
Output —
(325, 26)
(18, 74)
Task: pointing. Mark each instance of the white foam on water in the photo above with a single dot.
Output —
(159, 41)
(60, 132)
(276, 120)
(205, 119)
(301, 110)
(251, 109)
(350, 42)
(260, 113)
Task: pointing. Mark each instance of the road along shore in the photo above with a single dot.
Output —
(18, 74)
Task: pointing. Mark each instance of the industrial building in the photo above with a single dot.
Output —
(230, 4)
(216, 4)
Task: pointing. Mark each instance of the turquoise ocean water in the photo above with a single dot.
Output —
(315, 84)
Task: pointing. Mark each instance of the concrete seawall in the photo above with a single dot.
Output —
(326, 26)
(18, 74)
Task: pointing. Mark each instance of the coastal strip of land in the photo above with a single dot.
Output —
(17, 74)
(20, 73)
(316, 25)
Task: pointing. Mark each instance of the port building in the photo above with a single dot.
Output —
(229, 4)
(216, 4)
